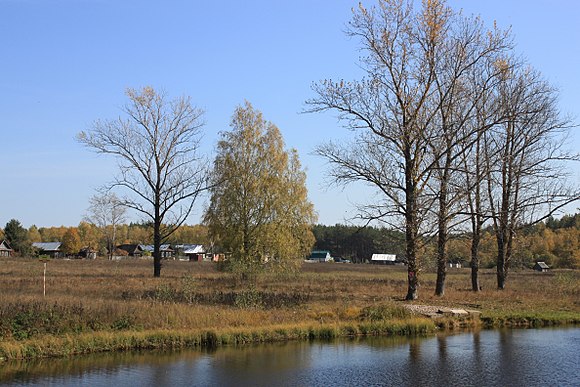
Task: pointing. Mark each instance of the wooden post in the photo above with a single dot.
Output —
(44, 281)
(44, 260)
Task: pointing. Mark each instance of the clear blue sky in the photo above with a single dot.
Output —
(66, 63)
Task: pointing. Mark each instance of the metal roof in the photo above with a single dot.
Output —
(150, 248)
(191, 249)
(47, 246)
(384, 257)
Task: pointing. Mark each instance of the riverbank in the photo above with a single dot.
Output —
(94, 306)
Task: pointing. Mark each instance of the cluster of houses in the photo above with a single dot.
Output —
(190, 252)
(197, 253)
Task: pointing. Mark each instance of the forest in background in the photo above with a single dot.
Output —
(555, 241)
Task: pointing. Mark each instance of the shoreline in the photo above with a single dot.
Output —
(50, 346)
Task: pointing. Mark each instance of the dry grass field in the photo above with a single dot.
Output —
(92, 297)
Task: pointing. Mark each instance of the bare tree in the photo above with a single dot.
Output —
(526, 175)
(106, 212)
(467, 49)
(161, 170)
(409, 113)
(390, 111)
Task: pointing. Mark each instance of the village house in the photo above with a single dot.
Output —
(132, 250)
(52, 249)
(320, 256)
(191, 252)
(5, 249)
(166, 250)
(138, 250)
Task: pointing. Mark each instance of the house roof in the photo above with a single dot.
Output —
(542, 265)
(150, 248)
(47, 246)
(5, 246)
(191, 249)
(384, 257)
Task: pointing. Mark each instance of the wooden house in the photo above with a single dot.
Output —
(5, 249)
(320, 256)
(192, 252)
(166, 250)
(132, 250)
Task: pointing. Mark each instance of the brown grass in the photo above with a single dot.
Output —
(90, 297)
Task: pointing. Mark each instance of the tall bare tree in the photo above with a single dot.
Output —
(106, 211)
(463, 58)
(390, 112)
(160, 166)
(526, 176)
(408, 113)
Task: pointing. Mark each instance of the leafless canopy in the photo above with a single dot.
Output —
(157, 146)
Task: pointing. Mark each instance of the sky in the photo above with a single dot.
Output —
(66, 63)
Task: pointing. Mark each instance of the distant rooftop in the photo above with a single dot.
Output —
(47, 246)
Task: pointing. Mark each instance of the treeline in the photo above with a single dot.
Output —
(358, 244)
(555, 241)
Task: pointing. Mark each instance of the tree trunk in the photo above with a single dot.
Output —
(411, 231)
(441, 264)
(501, 251)
(475, 260)
(157, 243)
(442, 240)
(156, 251)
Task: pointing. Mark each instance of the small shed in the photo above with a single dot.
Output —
(5, 249)
(541, 266)
(383, 259)
(320, 256)
(51, 249)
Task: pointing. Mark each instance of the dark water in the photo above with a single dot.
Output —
(545, 357)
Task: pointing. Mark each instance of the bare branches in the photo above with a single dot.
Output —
(443, 115)
(157, 147)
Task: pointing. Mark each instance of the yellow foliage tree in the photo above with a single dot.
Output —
(259, 213)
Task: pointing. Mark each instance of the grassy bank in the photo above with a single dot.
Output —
(93, 306)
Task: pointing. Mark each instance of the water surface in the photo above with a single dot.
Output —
(543, 357)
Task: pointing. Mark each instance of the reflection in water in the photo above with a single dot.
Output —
(487, 358)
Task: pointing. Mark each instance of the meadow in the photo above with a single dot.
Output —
(100, 305)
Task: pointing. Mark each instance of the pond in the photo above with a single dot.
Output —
(543, 357)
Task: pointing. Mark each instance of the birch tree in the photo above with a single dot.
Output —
(259, 213)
